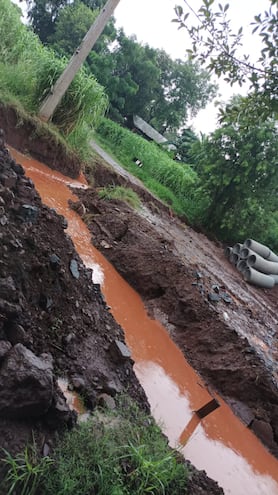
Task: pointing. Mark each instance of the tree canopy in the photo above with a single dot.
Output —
(215, 45)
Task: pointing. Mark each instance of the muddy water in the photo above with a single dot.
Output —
(220, 443)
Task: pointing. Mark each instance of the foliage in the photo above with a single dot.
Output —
(163, 175)
(116, 454)
(25, 472)
(43, 15)
(122, 193)
(237, 166)
(215, 45)
(29, 70)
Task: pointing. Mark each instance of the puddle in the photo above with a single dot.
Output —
(220, 443)
(74, 401)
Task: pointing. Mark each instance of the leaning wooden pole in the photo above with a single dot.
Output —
(54, 97)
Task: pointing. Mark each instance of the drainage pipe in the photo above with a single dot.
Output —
(228, 251)
(257, 278)
(237, 247)
(245, 253)
(262, 250)
(262, 265)
(234, 258)
(241, 265)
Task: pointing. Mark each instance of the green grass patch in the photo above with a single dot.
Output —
(122, 193)
(172, 182)
(116, 453)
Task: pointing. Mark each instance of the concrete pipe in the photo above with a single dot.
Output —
(260, 249)
(241, 265)
(262, 265)
(228, 251)
(245, 253)
(275, 278)
(257, 278)
(237, 247)
(234, 258)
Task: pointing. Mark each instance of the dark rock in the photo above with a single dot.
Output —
(17, 335)
(9, 181)
(26, 383)
(5, 347)
(64, 223)
(105, 400)
(119, 351)
(226, 298)
(215, 288)
(54, 261)
(45, 301)
(112, 388)
(78, 383)
(74, 269)
(264, 431)
(214, 297)
(198, 275)
(10, 309)
(8, 289)
(29, 213)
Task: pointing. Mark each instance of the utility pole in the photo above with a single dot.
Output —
(54, 97)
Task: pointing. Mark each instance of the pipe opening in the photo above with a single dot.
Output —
(251, 260)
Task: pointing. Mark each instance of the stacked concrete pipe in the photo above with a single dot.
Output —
(257, 263)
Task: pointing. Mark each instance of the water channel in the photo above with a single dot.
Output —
(219, 443)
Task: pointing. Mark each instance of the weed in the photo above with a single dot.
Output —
(120, 452)
(25, 472)
(122, 193)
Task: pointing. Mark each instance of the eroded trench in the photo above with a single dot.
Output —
(228, 451)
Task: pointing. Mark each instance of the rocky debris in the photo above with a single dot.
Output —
(26, 383)
(45, 309)
(120, 351)
(74, 269)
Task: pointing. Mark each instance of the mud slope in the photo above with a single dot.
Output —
(48, 304)
(176, 270)
(53, 322)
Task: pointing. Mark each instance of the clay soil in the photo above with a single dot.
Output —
(47, 309)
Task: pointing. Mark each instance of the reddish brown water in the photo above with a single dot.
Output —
(220, 443)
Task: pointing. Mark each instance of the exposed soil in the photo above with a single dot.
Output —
(231, 343)
(49, 305)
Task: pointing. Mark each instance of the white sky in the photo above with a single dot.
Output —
(150, 21)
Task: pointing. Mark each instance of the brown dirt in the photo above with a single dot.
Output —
(233, 345)
(48, 310)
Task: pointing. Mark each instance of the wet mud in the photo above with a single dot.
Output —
(232, 343)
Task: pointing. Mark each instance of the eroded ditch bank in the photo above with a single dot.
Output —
(172, 387)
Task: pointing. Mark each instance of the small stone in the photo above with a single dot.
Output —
(78, 383)
(5, 347)
(120, 350)
(107, 401)
(215, 288)
(214, 297)
(198, 275)
(45, 450)
(54, 260)
(3, 220)
(226, 298)
(74, 269)
(29, 213)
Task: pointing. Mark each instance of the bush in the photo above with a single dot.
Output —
(122, 193)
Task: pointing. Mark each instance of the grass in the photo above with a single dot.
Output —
(116, 453)
(172, 182)
(25, 472)
(122, 193)
(120, 452)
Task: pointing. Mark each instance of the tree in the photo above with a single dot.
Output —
(237, 166)
(43, 14)
(215, 45)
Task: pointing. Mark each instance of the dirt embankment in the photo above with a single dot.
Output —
(53, 321)
(178, 272)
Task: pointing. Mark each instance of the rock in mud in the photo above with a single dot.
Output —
(120, 351)
(74, 269)
(26, 383)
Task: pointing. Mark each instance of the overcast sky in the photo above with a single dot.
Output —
(150, 21)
